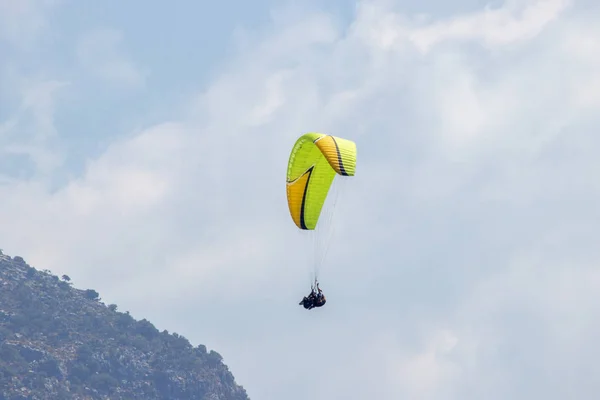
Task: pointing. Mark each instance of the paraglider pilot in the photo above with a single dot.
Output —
(314, 299)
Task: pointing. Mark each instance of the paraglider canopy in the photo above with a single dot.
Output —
(315, 160)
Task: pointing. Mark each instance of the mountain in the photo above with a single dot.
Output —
(58, 342)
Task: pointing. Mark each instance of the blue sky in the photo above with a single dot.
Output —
(143, 151)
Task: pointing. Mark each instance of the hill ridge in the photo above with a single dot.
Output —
(60, 342)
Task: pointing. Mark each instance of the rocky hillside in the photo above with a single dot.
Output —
(58, 342)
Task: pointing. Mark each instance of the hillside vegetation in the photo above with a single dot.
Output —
(58, 342)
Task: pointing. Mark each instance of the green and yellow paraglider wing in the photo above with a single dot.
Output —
(314, 161)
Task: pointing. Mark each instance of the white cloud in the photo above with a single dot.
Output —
(23, 21)
(31, 131)
(427, 374)
(511, 23)
(464, 261)
(100, 52)
(28, 101)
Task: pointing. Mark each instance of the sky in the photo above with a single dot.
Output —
(143, 150)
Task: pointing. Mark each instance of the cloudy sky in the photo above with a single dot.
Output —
(143, 149)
